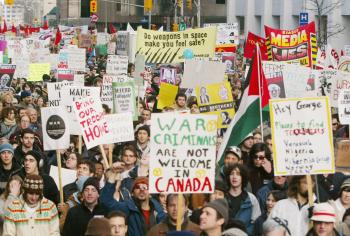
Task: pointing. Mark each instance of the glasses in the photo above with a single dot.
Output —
(259, 157)
(141, 187)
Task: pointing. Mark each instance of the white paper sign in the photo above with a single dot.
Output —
(54, 92)
(344, 107)
(68, 176)
(183, 150)
(56, 133)
(295, 80)
(117, 65)
(302, 136)
(121, 127)
(342, 81)
(107, 91)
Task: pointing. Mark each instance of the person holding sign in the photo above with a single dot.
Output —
(169, 224)
(143, 211)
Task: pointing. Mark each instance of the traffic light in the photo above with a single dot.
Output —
(9, 2)
(85, 8)
(175, 27)
(148, 5)
(189, 4)
(93, 6)
(179, 3)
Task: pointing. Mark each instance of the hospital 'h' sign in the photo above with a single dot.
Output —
(303, 18)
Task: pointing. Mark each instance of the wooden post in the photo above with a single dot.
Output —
(58, 154)
(310, 195)
(110, 154)
(104, 156)
(179, 217)
(80, 144)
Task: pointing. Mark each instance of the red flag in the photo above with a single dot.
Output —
(13, 29)
(5, 27)
(112, 30)
(58, 37)
(252, 39)
(26, 30)
(46, 25)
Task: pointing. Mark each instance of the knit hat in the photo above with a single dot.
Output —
(220, 185)
(221, 206)
(346, 183)
(37, 157)
(6, 147)
(98, 226)
(25, 94)
(235, 150)
(234, 232)
(94, 182)
(323, 212)
(33, 184)
(180, 233)
(140, 180)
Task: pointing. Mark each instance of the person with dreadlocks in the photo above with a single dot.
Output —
(32, 214)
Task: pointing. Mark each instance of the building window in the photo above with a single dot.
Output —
(220, 1)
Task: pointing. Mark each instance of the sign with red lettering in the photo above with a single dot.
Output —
(298, 46)
(92, 122)
(183, 150)
(342, 82)
(253, 39)
(302, 136)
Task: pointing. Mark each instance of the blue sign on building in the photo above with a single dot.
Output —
(303, 18)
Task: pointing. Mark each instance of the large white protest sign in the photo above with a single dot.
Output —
(124, 98)
(324, 82)
(122, 43)
(199, 73)
(79, 80)
(302, 136)
(56, 133)
(227, 33)
(342, 81)
(76, 59)
(344, 107)
(183, 153)
(22, 67)
(121, 127)
(107, 91)
(71, 94)
(68, 175)
(117, 65)
(92, 123)
(295, 80)
(54, 92)
(273, 71)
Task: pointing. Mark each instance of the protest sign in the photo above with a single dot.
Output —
(292, 46)
(54, 92)
(216, 99)
(79, 80)
(167, 94)
(68, 175)
(121, 127)
(76, 59)
(226, 33)
(295, 79)
(342, 149)
(107, 91)
(273, 71)
(341, 82)
(117, 65)
(85, 40)
(324, 82)
(347, 50)
(250, 45)
(124, 98)
(172, 47)
(197, 73)
(56, 133)
(344, 64)
(70, 94)
(22, 67)
(139, 69)
(302, 136)
(94, 127)
(228, 58)
(37, 70)
(65, 74)
(344, 107)
(6, 76)
(183, 153)
(122, 43)
(102, 38)
(168, 75)
(41, 55)
(111, 48)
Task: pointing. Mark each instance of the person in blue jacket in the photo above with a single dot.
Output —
(142, 210)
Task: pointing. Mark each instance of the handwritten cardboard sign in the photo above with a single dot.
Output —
(37, 70)
(54, 92)
(117, 65)
(124, 98)
(94, 126)
(302, 136)
(342, 81)
(183, 153)
(121, 127)
(344, 107)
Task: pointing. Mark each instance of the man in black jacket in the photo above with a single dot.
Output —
(7, 164)
(79, 216)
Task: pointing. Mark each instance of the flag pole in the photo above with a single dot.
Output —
(258, 54)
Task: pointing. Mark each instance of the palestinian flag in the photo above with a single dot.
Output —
(247, 117)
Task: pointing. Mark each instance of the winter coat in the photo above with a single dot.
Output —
(165, 226)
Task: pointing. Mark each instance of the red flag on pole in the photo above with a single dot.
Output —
(58, 37)
(46, 24)
(112, 30)
(13, 29)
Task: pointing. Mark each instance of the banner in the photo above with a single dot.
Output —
(167, 95)
(344, 107)
(298, 46)
(216, 99)
(117, 65)
(69, 95)
(37, 70)
(183, 150)
(121, 127)
(301, 131)
(173, 47)
(56, 133)
(94, 127)
(6, 76)
(341, 82)
(124, 98)
(249, 48)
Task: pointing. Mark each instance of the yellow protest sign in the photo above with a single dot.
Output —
(216, 99)
(167, 95)
(37, 70)
(173, 47)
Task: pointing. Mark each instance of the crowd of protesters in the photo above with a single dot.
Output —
(248, 198)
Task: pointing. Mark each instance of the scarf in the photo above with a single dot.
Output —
(9, 122)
